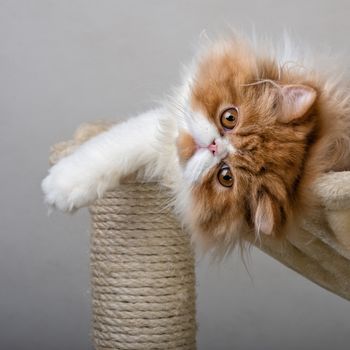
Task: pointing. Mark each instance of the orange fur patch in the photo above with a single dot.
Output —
(186, 146)
(276, 158)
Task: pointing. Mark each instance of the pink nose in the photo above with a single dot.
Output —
(213, 147)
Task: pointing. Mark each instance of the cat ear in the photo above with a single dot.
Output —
(266, 215)
(296, 102)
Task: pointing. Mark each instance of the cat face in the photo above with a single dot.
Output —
(245, 134)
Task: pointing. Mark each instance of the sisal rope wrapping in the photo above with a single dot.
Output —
(142, 267)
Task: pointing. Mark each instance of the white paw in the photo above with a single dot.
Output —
(69, 186)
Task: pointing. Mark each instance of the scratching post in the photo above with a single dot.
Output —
(142, 264)
(142, 267)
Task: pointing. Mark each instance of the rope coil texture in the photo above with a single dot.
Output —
(142, 266)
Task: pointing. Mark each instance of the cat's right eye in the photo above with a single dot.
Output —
(225, 177)
(229, 118)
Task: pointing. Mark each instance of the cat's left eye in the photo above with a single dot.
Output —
(229, 118)
(225, 177)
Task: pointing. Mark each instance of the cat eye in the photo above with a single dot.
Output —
(225, 176)
(229, 118)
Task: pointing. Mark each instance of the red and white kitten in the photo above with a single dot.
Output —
(239, 144)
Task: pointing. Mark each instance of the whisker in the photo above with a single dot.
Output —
(263, 81)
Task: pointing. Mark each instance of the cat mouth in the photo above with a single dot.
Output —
(199, 163)
(212, 147)
(218, 147)
(187, 147)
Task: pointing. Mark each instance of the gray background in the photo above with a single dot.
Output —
(66, 62)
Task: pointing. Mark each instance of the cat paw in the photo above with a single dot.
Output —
(68, 186)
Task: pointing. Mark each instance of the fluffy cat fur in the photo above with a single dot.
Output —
(291, 124)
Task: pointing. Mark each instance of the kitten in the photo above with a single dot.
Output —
(238, 144)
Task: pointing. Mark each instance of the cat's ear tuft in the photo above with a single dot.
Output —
(266, 215)
(296, 102)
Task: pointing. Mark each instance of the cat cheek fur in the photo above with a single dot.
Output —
(216, 219)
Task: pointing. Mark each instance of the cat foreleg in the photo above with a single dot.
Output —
(99, 164)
